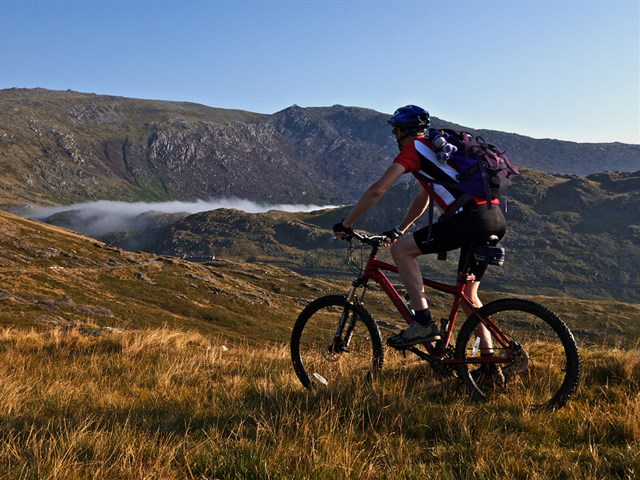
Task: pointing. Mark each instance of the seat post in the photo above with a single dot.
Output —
(463, 274)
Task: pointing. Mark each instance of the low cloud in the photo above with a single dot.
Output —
(137, 208)
(104, 216)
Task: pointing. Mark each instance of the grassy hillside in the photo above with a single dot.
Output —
(50, 275)
(169, 404)
(119, 365)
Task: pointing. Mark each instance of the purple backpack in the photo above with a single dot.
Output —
(485, 170)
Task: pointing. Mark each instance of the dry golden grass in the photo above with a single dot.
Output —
(168, 404)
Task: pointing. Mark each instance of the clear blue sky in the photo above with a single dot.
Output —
(547, 69)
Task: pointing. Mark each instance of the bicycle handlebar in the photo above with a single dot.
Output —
(373, 240)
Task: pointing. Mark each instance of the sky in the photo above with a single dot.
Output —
(543, 68)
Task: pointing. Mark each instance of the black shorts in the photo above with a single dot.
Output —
(473, 226)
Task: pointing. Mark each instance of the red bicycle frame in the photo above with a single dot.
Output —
(374, 270)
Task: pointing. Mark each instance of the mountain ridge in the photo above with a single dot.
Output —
(62, 147)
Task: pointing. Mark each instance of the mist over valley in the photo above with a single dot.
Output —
(133, 173)
(104, 217)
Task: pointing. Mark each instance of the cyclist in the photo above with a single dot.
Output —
(466, 221)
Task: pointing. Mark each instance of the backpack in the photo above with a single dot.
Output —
(484, 169)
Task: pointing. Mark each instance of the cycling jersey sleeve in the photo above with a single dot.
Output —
(408, 158)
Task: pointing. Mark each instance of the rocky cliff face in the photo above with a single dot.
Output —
(292, 156)
(65, 147)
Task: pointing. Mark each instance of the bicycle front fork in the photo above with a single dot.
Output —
(348, 318)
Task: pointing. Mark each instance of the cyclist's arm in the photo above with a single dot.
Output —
(374, 193)
(417, 208)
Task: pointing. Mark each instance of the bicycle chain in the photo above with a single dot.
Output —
(445, 370)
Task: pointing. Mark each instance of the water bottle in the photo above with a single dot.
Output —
(476, 347)
(443, 148)
(439, 142)
(445, 153)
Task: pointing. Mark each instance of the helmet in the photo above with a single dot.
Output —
(411, 119)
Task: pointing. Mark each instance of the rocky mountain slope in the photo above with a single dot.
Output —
(66, 147)
(54, 278)
(567, 234)
(566, 231)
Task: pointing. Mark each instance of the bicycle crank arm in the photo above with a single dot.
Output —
(423, 355)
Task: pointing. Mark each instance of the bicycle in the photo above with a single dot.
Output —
(335, 337)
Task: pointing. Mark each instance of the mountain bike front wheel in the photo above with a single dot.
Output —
(334, 341)
(543, 366)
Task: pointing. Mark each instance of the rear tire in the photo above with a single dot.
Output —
(320, 360)
(547, 371)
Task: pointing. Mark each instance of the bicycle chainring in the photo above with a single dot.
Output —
(445, 370)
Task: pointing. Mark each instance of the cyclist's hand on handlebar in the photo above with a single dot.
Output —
(342, 232)
(392, 235)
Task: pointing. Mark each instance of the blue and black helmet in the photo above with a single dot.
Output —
(410, 119)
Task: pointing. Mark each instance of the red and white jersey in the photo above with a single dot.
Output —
(418, 158)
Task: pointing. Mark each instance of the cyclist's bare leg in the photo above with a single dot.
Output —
(486, 345)
(404, 253)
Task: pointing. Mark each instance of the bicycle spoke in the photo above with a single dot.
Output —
(541, 364)
(323, 355)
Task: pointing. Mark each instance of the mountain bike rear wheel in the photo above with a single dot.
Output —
(545, 363)
(334, 341)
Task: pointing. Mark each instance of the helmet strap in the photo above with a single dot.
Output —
(400, 139)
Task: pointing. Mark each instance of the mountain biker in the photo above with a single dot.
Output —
(467, 221)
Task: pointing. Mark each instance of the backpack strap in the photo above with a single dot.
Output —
(482, 153)
(431, 200)
(457, 204)
(512, 170)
